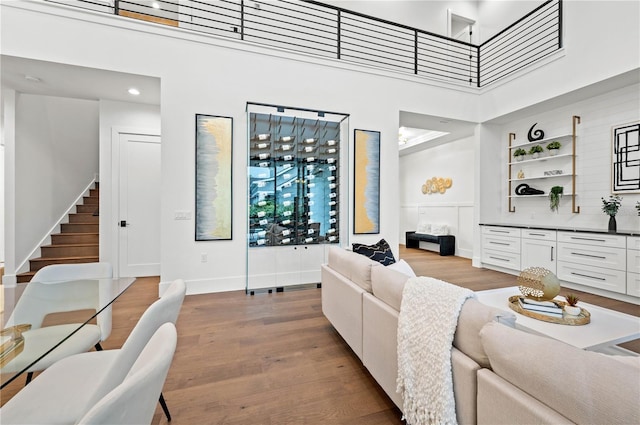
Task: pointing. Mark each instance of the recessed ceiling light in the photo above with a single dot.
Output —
(133, 91)
(155, 5)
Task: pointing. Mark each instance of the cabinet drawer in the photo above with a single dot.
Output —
(595, 239)
(633, 242)
(611, 258)
(499, 243)
(633, 284)
(544, 235)
(508, 260)
(596, 277)
(501, 231)
(633, 261)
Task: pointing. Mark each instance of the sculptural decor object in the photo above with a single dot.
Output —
(538, 283)
(525, 189)
(534, 136)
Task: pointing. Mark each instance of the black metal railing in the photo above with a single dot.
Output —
(529, 39)
(315, 28)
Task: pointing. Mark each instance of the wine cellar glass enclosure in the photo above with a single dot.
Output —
(295, 206)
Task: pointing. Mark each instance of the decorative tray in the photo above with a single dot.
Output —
(582, 319)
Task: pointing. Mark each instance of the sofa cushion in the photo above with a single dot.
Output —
(473, 316)
(402, 267)
(380, 252)
(354, 267)
(388, 285)
(584, 386)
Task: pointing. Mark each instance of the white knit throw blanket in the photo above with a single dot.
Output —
(424, 350)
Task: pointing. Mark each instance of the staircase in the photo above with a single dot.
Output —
(76, 243)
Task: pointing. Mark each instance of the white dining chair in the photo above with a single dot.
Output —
(60, 288)
(69, 388)
(133, 401)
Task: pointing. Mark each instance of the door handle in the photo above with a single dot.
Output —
(123, 223)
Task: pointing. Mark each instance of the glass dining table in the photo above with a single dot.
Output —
(46, 320)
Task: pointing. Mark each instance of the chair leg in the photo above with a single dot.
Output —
(98, 347)
(164, 407)
(29, 377)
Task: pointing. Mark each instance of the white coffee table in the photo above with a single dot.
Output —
(606, 329)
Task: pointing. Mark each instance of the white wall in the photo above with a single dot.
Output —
(453, 208)
(57, 156)
(593, 164)
(115, 116)
(2, 203)
(494, 16)
(8, 99)
(600, 42)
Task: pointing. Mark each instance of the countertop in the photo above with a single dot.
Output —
(623, 232)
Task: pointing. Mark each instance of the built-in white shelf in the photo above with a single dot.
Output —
(537, 196)
(555, 176)
(544, 158)
(542, 141)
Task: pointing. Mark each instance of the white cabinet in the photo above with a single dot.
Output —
(633, 266)
(593, 259)
(501, 246)
(538, 249)
(285, 266)
(608, 263)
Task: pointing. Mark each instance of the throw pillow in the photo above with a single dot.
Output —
(402, 267)
(439, 229)
(380, 252)
(424, 228)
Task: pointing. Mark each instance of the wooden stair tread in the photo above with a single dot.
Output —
(64, 248)
(74, 233)
(68, 245)
(75, 257)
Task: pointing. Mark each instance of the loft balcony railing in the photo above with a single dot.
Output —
(327, 31)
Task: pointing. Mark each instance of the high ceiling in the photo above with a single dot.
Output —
(55, 79)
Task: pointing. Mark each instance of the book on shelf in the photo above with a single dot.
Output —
(539, 307)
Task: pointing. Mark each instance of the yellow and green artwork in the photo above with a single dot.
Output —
(213, 177)
(366, 207)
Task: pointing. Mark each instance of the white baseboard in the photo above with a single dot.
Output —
(207, 286)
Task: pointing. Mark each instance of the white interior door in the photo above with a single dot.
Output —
(139, 205)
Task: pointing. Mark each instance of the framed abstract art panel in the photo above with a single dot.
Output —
(366, 199)
(214, 137)
(625, 158)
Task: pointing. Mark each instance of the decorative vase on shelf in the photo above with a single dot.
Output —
(535, 155)
(612, 224)
(553, 152)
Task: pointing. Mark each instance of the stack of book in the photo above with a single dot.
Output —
(548, 308)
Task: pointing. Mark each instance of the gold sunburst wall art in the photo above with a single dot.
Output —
(436, 185)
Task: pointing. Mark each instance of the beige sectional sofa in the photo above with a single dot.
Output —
(501, 375)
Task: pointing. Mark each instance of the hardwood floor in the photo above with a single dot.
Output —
(274, 359)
